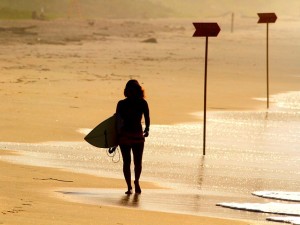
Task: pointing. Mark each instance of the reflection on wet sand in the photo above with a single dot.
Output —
(172, 201)
(130, 200)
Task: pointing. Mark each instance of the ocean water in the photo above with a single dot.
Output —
(251, 169)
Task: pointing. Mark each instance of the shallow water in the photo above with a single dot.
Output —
(246, 152)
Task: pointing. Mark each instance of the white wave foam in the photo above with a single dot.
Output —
(286, 219)
(289, 100)
(281, 195)
(271, 207)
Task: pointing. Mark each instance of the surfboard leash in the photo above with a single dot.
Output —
(112, 152)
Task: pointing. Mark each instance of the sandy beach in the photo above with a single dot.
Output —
(28, 198)
(62, 75)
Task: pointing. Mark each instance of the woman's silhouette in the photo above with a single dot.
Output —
(131, 134)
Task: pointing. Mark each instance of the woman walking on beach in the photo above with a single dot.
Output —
(131, 135)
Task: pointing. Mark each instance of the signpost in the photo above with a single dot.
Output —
(267, 18)
(206, 30)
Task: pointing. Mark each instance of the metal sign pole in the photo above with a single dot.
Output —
(267, 18)
(206, 30)
(267, 65)
(205, 95)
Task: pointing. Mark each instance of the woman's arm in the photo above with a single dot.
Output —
(147, 119)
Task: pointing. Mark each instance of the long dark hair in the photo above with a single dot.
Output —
(134, 89)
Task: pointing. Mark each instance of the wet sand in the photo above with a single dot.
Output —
(27, 198)
(59, 76)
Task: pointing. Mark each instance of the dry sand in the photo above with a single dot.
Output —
(59, 76)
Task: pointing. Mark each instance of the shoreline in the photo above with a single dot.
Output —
(66, 75)
(190, 117)
(64, 181)
(35, 202)
(47, 180)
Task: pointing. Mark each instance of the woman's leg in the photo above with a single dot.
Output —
(137, 150)
(125, 150)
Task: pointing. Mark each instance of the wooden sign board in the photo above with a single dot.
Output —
(206, 29)
(267, 17)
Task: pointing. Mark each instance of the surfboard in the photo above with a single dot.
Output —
(104, 135)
